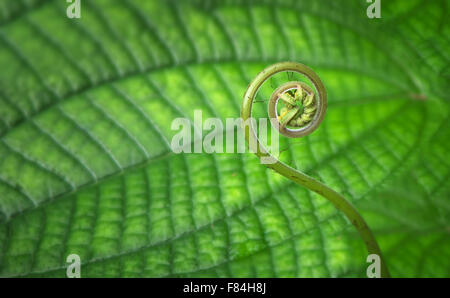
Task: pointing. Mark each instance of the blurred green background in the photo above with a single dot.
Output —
(86, 168)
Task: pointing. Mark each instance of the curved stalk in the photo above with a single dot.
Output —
(295, 175)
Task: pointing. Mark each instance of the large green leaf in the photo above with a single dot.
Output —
(85, 113)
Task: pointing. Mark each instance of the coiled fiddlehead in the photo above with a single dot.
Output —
(302, 114)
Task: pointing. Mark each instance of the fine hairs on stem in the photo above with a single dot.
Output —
(302, 115)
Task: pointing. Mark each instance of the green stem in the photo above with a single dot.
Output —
(294, 175)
